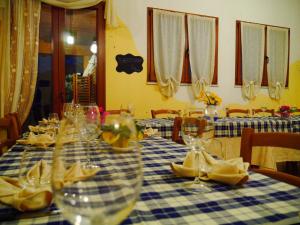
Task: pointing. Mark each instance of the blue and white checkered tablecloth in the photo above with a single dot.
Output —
(164, 126)
(164, 200)
(232, 127)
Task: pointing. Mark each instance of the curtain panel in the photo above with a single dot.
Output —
(277, 51)
(169, 42)
(252, 38)
(202, 38)
(4, 53)
(110, 10)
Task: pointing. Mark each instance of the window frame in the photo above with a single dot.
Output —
(238, 55)
(186, 75)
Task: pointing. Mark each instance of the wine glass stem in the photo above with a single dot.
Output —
(197, 178)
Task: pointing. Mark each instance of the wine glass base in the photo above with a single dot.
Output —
(197, 187)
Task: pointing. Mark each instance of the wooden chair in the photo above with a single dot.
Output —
(263, 111)
(196, 113)
(169, 112)
(245, 112)
(9, 133)
(16, 122)
(284, 140)
(118, 111)
(200, 123)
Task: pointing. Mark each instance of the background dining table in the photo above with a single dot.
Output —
(165, 200)
(228, 131)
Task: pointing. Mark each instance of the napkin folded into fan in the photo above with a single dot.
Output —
(34, 192)
(150, 132)
(232, 172)
(44, 140)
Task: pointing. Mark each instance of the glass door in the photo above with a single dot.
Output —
(71, 48)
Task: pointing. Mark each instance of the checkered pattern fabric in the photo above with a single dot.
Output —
(164, 126)
(232, 127)
(164, 200)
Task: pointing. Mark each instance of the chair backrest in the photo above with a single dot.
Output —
(169, 112)
(200, 123)
(263, 111)
(9, 133)
(16, 122)
(296, 111)
(284, 140)
(244, 112)
(117, 111)
(196, 113)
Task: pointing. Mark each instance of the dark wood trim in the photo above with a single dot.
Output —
(215, 76)
(101, 79)
(238, 55)
(264, 81)
(186, 76)
(186, 68)
(288, 62)
(151, 77)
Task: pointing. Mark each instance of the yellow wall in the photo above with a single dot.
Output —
(124, 89)
(130, 89)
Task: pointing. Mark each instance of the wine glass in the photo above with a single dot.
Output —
(106, 197)
(192, 132)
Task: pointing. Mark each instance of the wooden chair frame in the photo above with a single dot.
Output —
(242, 111)
(177, 127)
(154, 113)
(284, 140)
(7, 123)
(257, 111)
(196, 113)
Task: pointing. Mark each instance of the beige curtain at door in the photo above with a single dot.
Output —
(110, 13)
(4, 53)
(21, 75)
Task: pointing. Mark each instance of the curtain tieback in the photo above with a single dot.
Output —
(199, 86)
(249, 90)
(277, 91)
(168, 87)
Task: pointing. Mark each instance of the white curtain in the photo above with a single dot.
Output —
(110, 10)
(169, 42)
(202, 37)
(277, 51)
(253, 45)
(4, 53)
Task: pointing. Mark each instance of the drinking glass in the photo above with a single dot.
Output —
(109, 195)
(197, 143)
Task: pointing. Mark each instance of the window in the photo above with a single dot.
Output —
(186, 71)
(239, 57)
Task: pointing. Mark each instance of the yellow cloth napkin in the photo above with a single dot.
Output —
(150, 132)
(63, 177)
(232, 172)
(34, 192)
(42, 140)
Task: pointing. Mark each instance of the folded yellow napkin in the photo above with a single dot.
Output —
(43, 140)
(233, 171)
(63, 177)
(150, 132)
(34, 191)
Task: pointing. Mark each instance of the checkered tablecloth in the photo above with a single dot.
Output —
(164, 200)
(164, 126)
(232, 127)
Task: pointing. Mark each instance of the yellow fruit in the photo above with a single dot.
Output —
(121, 143)
(109, 137)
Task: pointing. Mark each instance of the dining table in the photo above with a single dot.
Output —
(228, 132)
(164, 198)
